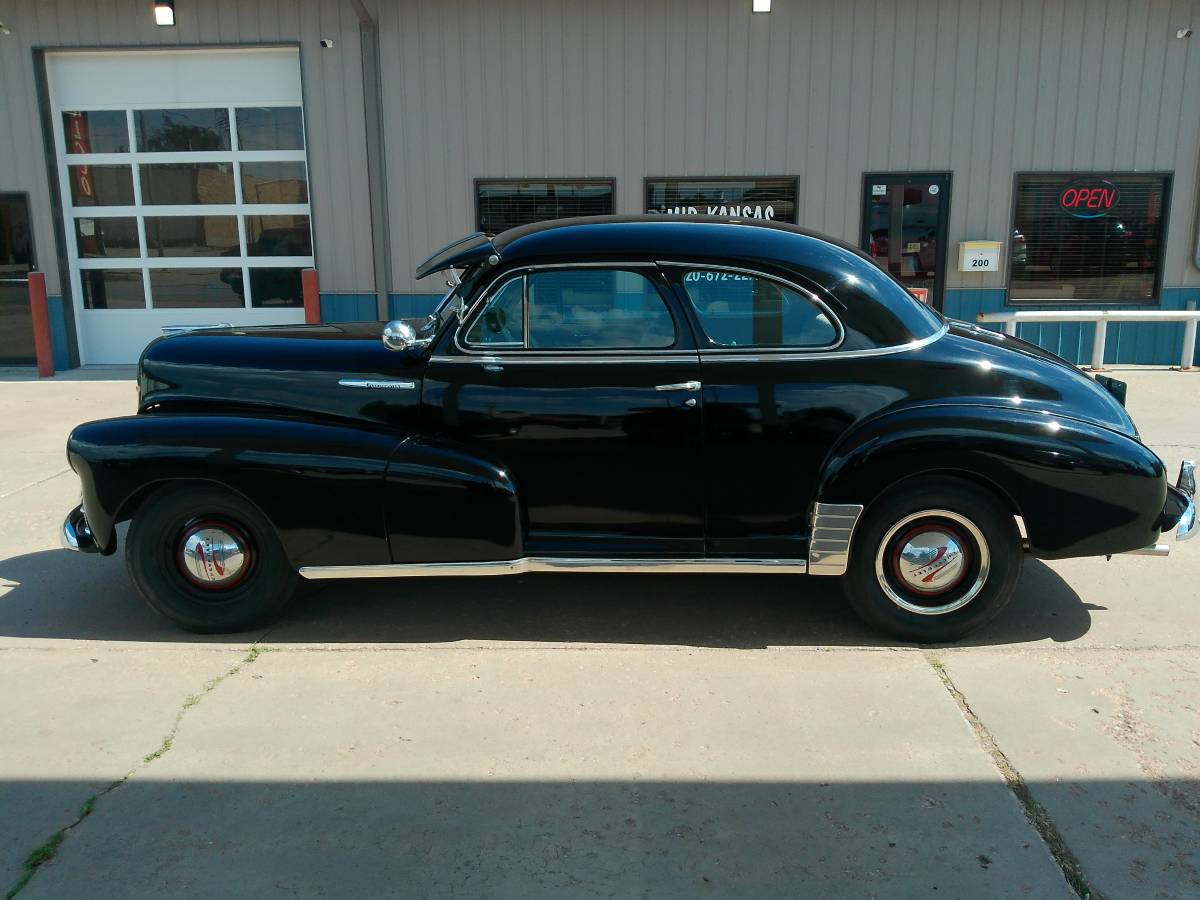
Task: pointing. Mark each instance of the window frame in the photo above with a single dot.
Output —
(706, 344)
(611, 182)
(693, 179)
(1168, 178)
(652, 272)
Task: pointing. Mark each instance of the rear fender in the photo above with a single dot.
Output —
(1082, 489)
(320, 485)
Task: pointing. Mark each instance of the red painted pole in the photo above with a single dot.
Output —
(40, 309)
(312, 297)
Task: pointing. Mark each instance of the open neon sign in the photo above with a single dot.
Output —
(1089, 199)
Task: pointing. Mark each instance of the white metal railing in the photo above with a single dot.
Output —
(1102, 317)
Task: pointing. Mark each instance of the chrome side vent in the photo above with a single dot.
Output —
(829, 546)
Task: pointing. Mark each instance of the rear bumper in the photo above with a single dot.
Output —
(76, 534)
(1179, 512)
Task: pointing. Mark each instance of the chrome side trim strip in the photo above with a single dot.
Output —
(833, 529)
(555, 564)
(382, 384)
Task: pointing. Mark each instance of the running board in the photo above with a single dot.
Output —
(557, 564)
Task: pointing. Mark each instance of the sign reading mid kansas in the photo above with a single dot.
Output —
(1089, 199)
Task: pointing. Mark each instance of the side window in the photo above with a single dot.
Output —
(599, 309)
(737, 310)
(502, 322)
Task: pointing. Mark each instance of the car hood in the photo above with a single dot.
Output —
(1008, 371)
(282, 369)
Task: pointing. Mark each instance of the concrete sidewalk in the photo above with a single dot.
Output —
(589, 735)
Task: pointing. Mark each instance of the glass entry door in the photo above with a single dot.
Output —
(16, 262)
(904, 219)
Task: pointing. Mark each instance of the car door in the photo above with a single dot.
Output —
(584, 382)
(771, 409)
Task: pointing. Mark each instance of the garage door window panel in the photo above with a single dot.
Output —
(212, 204)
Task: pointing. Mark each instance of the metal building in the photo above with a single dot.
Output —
(989, 154)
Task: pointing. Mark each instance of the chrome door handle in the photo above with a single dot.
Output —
(492, 364)
(682, 386)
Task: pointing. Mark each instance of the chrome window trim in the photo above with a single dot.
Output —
(526, 564)
(817, 301)
(766, 355)
(523, 271)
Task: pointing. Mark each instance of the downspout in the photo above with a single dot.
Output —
(377, 192)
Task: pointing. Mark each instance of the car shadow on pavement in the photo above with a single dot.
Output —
(57, 594)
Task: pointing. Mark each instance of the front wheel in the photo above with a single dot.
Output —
(933, 560)
(208, 560)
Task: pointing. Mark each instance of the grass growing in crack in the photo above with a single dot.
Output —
(1070, 866)
(49, 848)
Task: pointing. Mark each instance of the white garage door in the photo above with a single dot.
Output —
(184, 183)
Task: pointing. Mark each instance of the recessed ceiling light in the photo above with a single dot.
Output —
(761, 6)
(164, 12)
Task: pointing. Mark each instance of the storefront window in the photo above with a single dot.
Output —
(1081, 238)
(748, 198)
(507, 204)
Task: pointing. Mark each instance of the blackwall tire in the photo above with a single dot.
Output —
(208, 560)
(933, 560)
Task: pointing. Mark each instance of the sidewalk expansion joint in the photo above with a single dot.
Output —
(1035, 813)
(49, 848)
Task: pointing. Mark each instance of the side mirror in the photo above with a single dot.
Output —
(399, 335)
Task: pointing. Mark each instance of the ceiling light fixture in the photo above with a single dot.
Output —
(164, 12)
(761, 6)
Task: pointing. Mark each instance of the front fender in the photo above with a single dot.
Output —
(1082, 489)
(321, 485)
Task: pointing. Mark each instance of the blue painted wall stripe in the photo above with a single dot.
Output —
(348, 308)
(402, 306)
(1136, 343)
(58, 333)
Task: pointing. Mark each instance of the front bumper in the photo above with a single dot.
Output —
(1179, 512)
(76, 534)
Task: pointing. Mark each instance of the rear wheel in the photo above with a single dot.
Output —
(208, 560)
(934, 560)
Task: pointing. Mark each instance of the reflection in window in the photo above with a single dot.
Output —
(270, 128)
(106, 131)
(274, 182)
(165, 184)
(107, 237)
(276, 287)
(182, 130)
(278, 236)
(101, 185)
(737, 310)
(597, 309)
(502, 320)
(750, 198)
(112, 289)
(191, 236)
(195, 288)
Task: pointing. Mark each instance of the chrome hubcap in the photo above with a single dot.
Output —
(932, 562)
(213, 555)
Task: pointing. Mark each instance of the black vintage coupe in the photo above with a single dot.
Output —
(623, 395)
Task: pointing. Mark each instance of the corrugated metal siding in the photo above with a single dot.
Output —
(823, 89)
(820, 89)
(332, 90)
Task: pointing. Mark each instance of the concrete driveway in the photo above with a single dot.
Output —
(567, 735)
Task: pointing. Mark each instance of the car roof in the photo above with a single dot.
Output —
(657, 236)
